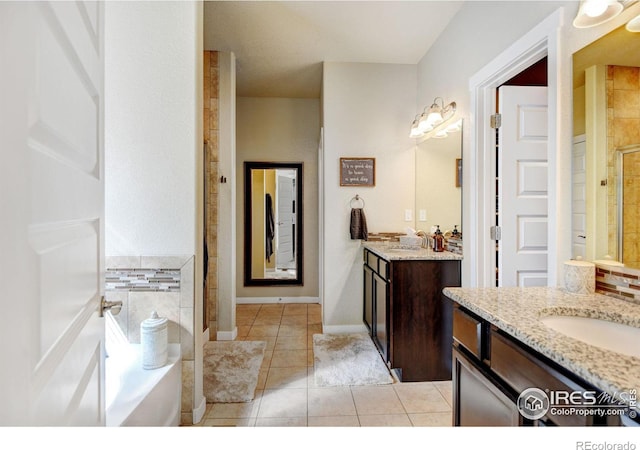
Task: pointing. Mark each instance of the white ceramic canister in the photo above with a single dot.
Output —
(580, 277)
(155, 342)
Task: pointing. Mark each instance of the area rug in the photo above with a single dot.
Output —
(231, 370)
(348, 360)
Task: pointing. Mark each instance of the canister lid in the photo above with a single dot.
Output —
(154, 321)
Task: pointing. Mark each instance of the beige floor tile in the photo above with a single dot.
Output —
(283, 403)
(445, 388)
(245, 320)
(281, 422)
(287, 377)
(291, 343)
(314, 308)
(376, 400)
(436, 419)
(314, 319)
(262, 378)
(267, 320)
(272, 308)
(289, 358)
(242, 422)
(266, 360)
(248, 308)
(294, 320)
(295, 309)
(235, 410)
(335, 421)
(292, 330)
(421, 398)
(243, 330)
(384, 420)
(314, 329)
(334, 401)
(258, 331)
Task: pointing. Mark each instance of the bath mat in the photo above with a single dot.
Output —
(348, 360)
(231, 370)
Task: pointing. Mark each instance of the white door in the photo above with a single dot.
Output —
(51, 198)
(579, 199)
(285, 221)
(523, 187)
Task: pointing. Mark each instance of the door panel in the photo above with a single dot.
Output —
(523, 186)
(579, 200)
(53, 212)
(285, 221)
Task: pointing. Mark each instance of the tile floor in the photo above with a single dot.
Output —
(286, 394)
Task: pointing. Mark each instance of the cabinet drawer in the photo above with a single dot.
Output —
(467, 330)
(379, 265)
(522, 370)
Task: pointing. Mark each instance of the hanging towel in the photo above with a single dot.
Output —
(358, 225)
(270, 227)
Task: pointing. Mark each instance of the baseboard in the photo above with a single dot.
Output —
(343, 329)
(227, 335)
(254, 300)
(205, 335)
(198, 413)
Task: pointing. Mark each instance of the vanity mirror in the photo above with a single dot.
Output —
(273, 251)
(438, 181)
(606, 119)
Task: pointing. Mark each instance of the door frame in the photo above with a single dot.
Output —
(479, 159)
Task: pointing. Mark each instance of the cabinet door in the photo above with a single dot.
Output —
(477, 401)
(368, 299)
(381, 331)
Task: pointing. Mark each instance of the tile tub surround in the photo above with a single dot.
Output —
(517, 312)
(176, 304)
(619, 282)
(395, 252)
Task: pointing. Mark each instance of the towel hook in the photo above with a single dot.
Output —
(357, 198)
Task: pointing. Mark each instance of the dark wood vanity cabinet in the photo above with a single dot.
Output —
(491, 369)
(408, 317)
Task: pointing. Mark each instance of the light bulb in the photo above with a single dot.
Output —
(595, 8)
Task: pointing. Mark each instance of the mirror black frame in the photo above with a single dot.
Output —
(248, 279)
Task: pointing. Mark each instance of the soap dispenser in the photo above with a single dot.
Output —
(455, 233)
(438, 240)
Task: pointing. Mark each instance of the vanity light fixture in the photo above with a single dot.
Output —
(595, 12)
(634, 25)
(432, 117)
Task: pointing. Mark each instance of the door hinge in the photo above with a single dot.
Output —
(496, 121)
(496, 233)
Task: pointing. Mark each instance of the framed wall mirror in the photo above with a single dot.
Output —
(273, 228)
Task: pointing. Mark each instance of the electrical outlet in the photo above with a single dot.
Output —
(407, 215)
(423, 215)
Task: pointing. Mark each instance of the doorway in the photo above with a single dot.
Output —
(480, 259)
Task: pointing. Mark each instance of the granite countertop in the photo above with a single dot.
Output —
(393, 251)
(517, 311)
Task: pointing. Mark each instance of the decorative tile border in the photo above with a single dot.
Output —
(146, 280)
(619, 282)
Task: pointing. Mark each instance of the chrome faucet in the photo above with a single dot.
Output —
(424, 237)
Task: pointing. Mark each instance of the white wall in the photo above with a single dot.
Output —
(280, 130)
(151, 128)
(474, 37)
(367, 111)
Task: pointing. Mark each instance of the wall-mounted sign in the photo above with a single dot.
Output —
(357, 171)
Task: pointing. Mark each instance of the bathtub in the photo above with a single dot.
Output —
(138, 397)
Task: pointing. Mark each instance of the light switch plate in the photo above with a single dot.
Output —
(407, 215)
(423, 215)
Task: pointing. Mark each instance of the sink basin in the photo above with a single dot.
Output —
(600, 333)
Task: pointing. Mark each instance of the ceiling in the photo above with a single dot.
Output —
(618, 48)
(280, 45)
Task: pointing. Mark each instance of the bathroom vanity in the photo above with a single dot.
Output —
(407, 316)
(505, 342)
